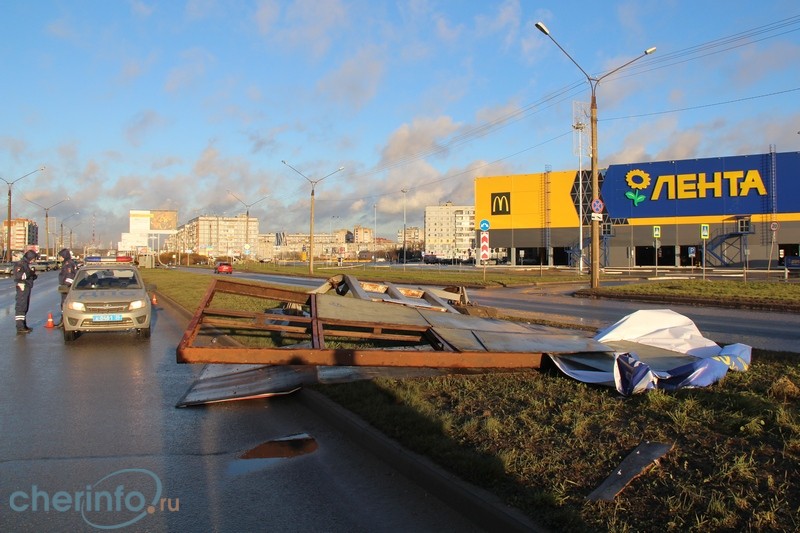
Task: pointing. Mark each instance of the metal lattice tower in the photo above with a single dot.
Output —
(580, 124)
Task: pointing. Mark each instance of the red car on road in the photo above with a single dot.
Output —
(223, 268)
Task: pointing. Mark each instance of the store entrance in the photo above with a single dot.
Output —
(785, 250)
(647, 255)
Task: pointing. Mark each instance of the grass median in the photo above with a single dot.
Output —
(543, 442)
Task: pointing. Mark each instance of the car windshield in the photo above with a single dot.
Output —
(90, 278)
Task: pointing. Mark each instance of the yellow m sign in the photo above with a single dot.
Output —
(501, 203)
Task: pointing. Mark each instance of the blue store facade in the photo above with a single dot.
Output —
(735, 211)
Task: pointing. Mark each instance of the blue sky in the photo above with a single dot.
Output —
(144, 104)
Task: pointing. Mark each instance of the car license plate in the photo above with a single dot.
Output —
(107, 318)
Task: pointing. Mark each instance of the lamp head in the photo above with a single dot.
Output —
(649, 51)
(542, 28)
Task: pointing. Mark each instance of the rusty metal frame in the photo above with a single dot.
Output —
(416, 344)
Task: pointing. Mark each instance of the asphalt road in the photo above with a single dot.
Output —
(95, 421)
(760, 329)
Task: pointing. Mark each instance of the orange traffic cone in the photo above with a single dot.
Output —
(155, 300)
(49, 321)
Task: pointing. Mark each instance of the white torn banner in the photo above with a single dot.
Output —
(655, 349)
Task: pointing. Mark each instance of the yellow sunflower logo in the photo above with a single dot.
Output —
(637, 180)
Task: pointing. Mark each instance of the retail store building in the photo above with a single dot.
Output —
(734, 211)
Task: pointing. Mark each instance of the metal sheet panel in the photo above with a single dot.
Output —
(530, 342)
(333, 307)
(459, 321)
(245, 382)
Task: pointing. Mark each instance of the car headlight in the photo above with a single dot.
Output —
(76, 306)
(136, 304)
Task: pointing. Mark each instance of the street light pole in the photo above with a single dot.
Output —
(593, 83)
(332, 240)
(70, 234)
(62, 227)
(311, 224)
(404, 191)
(247, 215)
(7, 255)
(47, 221)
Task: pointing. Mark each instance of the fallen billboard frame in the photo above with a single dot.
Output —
(344, 324)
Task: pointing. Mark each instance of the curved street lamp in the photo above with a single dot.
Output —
(62, 227)
(47, 221)
(7, 255)
(71, 228)
(311, 225)
(330, 233)
(593, 83)
(247, 215)
(404, 191)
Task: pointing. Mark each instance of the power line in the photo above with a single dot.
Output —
(703, 106)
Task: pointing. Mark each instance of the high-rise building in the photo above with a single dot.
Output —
(24, 233)
(450, 231)
(363, 235)
(217, 236)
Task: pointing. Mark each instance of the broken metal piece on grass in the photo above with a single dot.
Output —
(639, 460)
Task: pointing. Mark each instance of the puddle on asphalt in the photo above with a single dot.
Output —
(272, 452)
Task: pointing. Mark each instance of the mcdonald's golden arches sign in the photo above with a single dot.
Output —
(527, 200)
(501, 203)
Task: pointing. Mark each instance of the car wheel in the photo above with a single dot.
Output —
(144, 333)
(70, 336)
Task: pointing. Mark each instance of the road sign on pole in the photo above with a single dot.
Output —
(484, 246)
(704, 231)
(656, 232)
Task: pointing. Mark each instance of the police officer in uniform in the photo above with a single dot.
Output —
(66, 276)
(24, 276)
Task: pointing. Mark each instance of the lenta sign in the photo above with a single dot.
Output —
(485, 246)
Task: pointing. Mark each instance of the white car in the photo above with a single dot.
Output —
(106, 296)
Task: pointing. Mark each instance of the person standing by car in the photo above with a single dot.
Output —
(24, 276)
(66, 276)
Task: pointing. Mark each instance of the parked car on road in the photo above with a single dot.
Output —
(223, 268)
(106, 296)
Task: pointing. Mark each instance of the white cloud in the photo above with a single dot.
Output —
(419, 138)
(191, 71)
(356, 81)
(199, 9)
(63, 29)
(311, 25)
(266, 16)
(506, 22)
(141, 8)
(142, 124)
